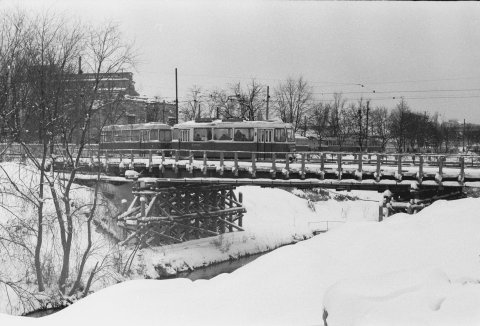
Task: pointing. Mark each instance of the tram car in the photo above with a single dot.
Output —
(140, 136)
(229, 136)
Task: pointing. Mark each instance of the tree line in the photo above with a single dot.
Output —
(343, 121)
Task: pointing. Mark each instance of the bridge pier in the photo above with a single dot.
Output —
(160, 215)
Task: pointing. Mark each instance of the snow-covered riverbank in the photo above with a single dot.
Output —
(409, 270)
(274, 218)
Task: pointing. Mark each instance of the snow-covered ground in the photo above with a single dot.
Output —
(419, 269)
(274, 218)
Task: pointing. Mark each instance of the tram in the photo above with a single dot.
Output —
(229, 135)
(140, 136)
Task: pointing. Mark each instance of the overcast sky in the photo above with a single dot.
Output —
(429, 53)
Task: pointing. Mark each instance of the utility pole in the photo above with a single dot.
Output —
(360, 128)
(176, 96)
(366, 128)
(268, 99)
(463, 135)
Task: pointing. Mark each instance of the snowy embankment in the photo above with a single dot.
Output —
(409, 270)
(19, 206)
(274, 218)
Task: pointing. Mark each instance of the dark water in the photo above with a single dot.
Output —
(43, 312)
(211, 271)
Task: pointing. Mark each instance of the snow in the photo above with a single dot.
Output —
(418, 269)
(274, 218)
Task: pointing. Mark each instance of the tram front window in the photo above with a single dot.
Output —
(280, 135)
(290, 135)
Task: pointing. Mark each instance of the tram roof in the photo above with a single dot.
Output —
(137, 126)
(235, 124)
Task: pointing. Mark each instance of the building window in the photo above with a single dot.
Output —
(130, 119)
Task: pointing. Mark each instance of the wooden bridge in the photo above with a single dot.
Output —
(182, 195)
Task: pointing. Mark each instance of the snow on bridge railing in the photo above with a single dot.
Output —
(340, 159)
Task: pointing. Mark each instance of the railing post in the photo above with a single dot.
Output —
(322, 166)
(287, 166)
(254, 165)
(420, 169)
(461, 176)
(274, 165)
(222, 163)
(236, 164)
(162, 164)
(150, 160)
(360, 167)
(190, 162)
(379, 166)
(439, 176)
(204, 162)
(399, 167)
(339, 164)
(302, 172)
(176, 161)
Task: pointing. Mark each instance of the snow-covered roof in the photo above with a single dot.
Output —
(138, 126)
(235, 124)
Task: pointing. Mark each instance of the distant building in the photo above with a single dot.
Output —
(111, 84)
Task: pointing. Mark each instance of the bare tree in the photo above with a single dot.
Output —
(380, 125)
(191, 109)
(251, 100)
(399, 125)
(54, 106)
(319, 121)
(293, 98)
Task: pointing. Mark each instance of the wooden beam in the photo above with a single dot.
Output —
(232, 225)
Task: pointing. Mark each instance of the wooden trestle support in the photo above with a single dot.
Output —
(160, 216)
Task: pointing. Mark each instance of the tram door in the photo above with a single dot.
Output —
(144, 139)
(264, 142)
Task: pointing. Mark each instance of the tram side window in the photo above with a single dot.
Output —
(168, 135)
(290, 135)
(125, 135)
(280, 135)
(165, 135)
(135, 135)
(202, 134)
(109, 136)
(243, 134)
(154, 134)
(106, 136)
(222, 134)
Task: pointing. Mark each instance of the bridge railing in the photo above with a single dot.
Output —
(404, 159)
